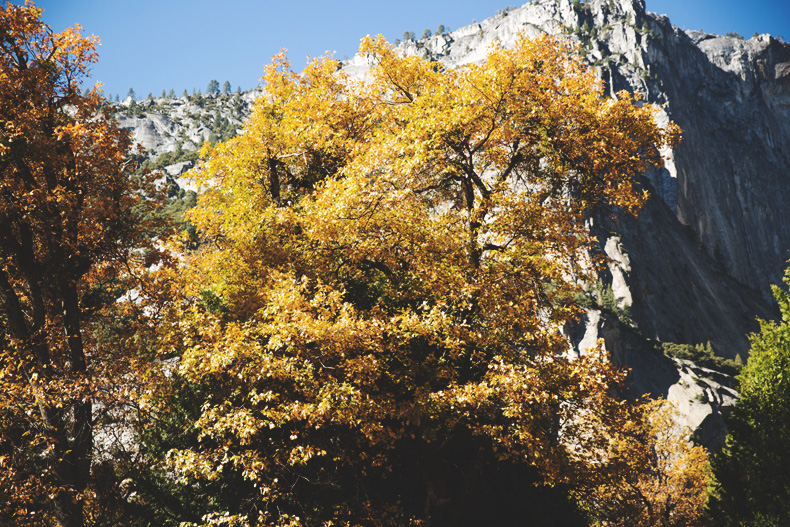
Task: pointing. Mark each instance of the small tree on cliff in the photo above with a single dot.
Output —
(376, 321)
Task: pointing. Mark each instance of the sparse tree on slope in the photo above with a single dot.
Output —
(374, 321)
(212, 87)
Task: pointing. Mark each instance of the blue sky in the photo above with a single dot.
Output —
(151, 45)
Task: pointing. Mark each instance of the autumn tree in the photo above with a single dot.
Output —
(752, 472)
(665, 484)
(373, 319)
(69, 219)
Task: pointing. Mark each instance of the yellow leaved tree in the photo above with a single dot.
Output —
(667, 482)
(373, 319)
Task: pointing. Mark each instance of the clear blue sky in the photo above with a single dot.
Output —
(152, 45)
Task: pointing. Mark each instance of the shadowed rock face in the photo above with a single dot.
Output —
(680, 293)
(732, 98)
(707, 282)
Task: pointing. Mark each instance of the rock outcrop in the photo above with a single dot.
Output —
(702, 396)
(170, 125)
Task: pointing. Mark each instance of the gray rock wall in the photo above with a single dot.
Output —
(734, 162)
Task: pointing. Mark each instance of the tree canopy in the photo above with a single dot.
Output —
(667, 484)
(374, 314)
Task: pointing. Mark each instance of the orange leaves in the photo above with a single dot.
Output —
(659, 477)
(72, 227)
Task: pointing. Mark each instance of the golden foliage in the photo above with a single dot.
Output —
(665, 482)
(386, 266)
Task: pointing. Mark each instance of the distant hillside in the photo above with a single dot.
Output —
(172, 129)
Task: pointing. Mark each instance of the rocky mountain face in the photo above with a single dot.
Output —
(697, 264)
(170, 130)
